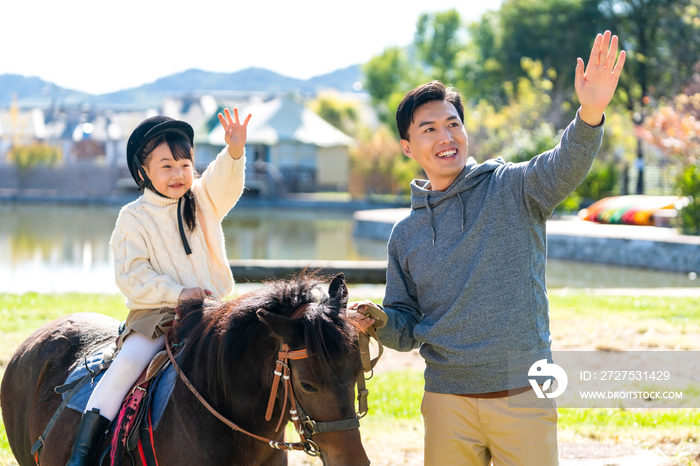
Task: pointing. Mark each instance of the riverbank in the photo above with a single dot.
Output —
(319, 201)
(572, 239)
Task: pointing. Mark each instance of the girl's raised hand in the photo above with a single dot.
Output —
(234, 132)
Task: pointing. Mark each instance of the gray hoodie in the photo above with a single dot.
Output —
(466, 269)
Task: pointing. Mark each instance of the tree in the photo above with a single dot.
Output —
(553, 32)
(386, 75)
(34, 155)
(379, 165)
(661, 38)
(674, 128)
(688, 185)
(344, 114)
(438, 41)
(480, 64)
(516, 131)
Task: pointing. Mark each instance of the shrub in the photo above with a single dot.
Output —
(35, 154)
(688, 184)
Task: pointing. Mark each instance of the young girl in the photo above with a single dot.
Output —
(159, 259)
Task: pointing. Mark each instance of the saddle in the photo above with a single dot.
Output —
(134, 426)
(140, 412)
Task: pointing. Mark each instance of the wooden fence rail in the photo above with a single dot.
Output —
(373, 272)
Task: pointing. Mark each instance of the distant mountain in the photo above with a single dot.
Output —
(34, 91)
(341, 80)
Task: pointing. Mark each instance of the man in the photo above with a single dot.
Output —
(466, 272)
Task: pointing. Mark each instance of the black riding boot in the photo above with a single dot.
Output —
(92, 429)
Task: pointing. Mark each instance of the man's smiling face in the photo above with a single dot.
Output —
(438, 141)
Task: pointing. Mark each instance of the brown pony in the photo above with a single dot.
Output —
(229, 356)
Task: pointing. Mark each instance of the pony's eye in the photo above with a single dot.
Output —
(308, 387)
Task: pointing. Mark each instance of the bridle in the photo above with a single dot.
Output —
(303, 424)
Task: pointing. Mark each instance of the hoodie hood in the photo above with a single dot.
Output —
(471, 175)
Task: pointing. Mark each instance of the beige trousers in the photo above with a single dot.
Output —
(462, 431)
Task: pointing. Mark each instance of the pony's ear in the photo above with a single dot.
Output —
(289, 330)
(338, 291)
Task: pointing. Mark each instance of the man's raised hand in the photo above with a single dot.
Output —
(234, 132)
(596, 85)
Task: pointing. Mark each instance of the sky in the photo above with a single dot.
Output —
(104, 46)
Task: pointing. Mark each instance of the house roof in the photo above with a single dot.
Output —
(284, 120)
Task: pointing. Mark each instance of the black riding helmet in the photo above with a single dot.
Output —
(147, 130)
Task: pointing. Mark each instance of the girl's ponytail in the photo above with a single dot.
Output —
(189, 211)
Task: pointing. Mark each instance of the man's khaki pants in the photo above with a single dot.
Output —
(462, 431)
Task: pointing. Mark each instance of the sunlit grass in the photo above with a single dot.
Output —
(394, 398)
(678, 311)
(610, 423)
(6, 457)
(27, 312)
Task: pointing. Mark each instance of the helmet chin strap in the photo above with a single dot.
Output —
(145, 182)
(186, 245)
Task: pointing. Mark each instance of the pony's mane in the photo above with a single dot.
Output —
(218, 332)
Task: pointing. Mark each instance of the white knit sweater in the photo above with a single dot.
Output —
(150, 263)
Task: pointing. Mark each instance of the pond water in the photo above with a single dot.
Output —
(58, 248)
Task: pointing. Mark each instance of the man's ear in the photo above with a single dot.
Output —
(406, 146)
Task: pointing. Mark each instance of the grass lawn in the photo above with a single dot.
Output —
(578, 320)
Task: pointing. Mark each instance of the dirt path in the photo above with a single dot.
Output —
(402, 444)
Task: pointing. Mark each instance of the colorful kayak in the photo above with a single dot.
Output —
(628, 210)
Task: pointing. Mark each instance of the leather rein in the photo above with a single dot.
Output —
(303, 424)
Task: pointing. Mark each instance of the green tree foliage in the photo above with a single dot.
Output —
(344, 114)
(438, 40)
(387, 78)
(674, 128)
(384, 73)
(662, 38)
(515, 68)
(518, 130)
(688, 184)
(555, 33)
(379, 165)
(481, 63)
(601, 181)
(34, 155)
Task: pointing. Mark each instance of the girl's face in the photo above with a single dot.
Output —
(170, 177)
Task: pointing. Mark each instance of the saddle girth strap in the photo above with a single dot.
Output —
(146, 445)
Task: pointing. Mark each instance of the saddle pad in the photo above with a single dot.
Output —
(159, 395)
(80, 399)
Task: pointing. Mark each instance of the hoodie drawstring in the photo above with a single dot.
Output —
(430, 217)
(461, 202)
